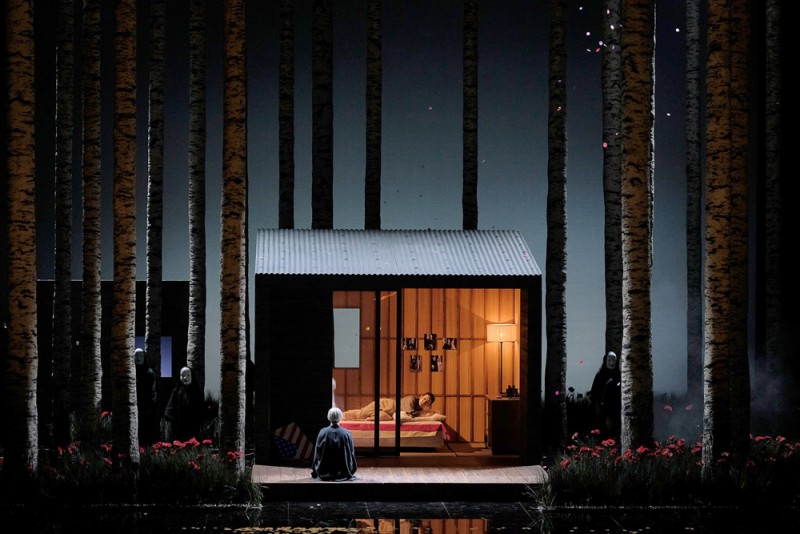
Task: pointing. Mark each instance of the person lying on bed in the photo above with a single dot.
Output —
(411, 405)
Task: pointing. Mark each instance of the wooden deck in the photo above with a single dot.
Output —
(461, 472)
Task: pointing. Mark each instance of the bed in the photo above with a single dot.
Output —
(419, 432)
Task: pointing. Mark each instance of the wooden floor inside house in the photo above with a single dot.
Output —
(461, 471)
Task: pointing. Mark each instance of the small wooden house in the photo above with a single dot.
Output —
(386, 313)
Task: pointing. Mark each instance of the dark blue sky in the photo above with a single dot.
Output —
(421, 159)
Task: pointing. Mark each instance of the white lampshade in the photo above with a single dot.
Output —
(501, 332)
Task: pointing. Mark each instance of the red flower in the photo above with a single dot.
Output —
(108, 462)
(596, 431)
(642, 449)
(194, 465)
(667, 407)
(565, 462)
(207, 442)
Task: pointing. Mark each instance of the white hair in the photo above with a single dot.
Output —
(334, 415)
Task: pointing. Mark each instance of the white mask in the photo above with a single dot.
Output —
(138, 357)
(186, 376)
(611, 360)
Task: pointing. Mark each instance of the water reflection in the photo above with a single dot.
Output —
(400, 518)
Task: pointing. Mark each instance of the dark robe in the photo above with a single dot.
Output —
(334, 455)
(185, 409)
(606, 399)
(146, 401)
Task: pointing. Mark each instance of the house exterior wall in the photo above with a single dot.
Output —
(287, 308)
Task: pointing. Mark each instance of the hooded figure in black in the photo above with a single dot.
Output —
(146, 398)
(606, 396)
(334, 453)
(185, 407)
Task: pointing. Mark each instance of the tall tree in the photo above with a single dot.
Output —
(694, 225)
(89, 405)
(470, 117)
(123, 381)
(21, 438)
(322, 115)
(638, 75)
(611, 75)
(716, 377)
(234, 242)
(555, 376)
(739, 253)
(286, 116)
(62, 292)
(155, 190)
(774, 262)
(196, 345)
(372, 182)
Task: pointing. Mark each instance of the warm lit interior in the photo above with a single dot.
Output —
(468, 371)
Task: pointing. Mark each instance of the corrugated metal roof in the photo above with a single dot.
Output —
(394, 253)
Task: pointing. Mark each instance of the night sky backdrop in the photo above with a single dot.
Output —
(422, 145)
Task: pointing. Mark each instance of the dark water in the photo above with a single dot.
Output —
(398, 517)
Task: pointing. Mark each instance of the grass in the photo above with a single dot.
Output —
(171, 473)
(593, 471)
(589, 471)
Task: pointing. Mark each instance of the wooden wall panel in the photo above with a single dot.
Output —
(470, 371)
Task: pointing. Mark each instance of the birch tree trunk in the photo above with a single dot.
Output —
(123, 381)
(196, 345)
(470, 118)
(716, 361)
(739, 253)
(21, 445)
(556, 262)
(91, 369)
(775, 325)
(322, 115)
(611, 74)
(62, 293)
(638, 52)
(234, 224)
(286, 116)
(155, 194)
(694, 225)
(372, 181)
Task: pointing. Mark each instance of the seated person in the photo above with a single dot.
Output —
(410, 406)
(334, 454)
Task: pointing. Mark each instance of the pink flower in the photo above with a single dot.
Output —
(565, 462)
(596, 432)
(207, 442)
(194, 465)
(108, 461)
(667, 407)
